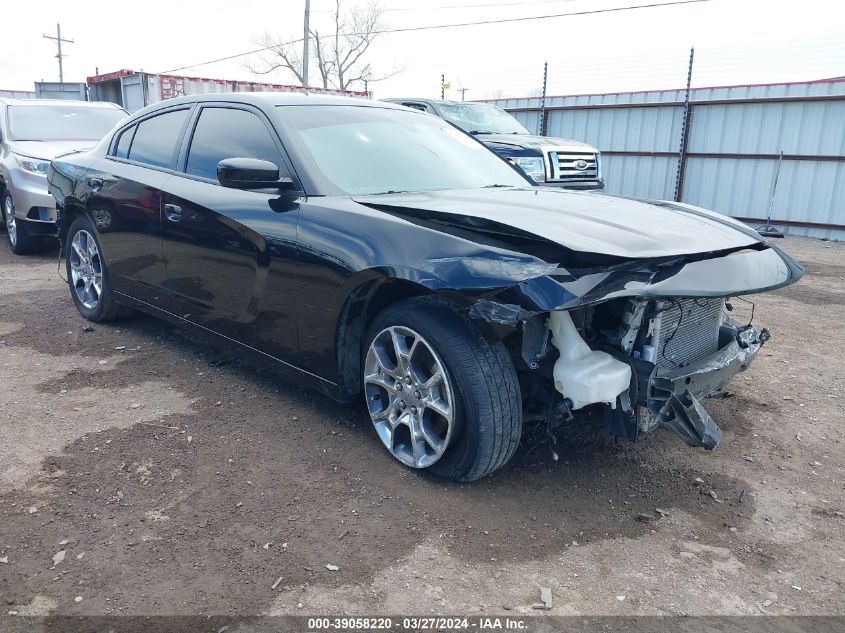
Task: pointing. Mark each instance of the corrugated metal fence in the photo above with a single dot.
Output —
(735, 137)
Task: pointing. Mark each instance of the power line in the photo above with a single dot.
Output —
(229, 57)
(433, 27)
(472, 6)
(650, 64)
(656, 71)
(540, 17)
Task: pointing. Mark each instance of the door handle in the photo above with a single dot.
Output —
(173, 212)
(95, 184)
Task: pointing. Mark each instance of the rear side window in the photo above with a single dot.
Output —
(156, 137)
(228, 133)
(121, 150)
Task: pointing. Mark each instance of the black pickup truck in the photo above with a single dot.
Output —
(552, 162)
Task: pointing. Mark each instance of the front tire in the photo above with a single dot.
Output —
(440, 395)
(20, 240)
(87, 274)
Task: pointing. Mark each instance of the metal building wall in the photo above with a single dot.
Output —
(55, 90)
(734, 138)
(17, 94)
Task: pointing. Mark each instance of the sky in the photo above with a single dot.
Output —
(736, 42)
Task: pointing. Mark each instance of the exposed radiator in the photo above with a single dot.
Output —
(687, 331)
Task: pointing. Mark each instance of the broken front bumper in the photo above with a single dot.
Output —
(672, 394)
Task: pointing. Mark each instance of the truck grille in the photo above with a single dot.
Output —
(688, 331)
(576, 166)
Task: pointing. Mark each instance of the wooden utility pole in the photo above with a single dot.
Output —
(463, 93)
(306, 32)
(59, 55)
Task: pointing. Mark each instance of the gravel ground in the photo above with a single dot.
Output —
(143, 471)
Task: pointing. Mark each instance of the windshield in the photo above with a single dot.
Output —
(369, 150)
(61, 122)
(481, 118)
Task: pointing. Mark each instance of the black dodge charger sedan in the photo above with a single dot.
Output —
(377, 252)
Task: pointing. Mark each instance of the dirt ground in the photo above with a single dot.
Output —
(143, 471)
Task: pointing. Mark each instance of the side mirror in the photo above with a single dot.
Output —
(251, 173)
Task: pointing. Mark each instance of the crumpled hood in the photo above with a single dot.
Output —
(530, 141)
(585, 222)
(48, 150)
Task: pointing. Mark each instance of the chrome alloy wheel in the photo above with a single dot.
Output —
(409, 396)
(11, 225)
(86, 269)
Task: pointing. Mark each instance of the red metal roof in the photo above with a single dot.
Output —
(109, 76)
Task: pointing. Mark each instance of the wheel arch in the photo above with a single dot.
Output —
(361, 306)
(3, 190)
(67, 213)
(373, 291)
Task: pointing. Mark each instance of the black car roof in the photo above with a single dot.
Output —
(264, 99)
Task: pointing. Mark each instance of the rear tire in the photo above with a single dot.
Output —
(486, 420)
(87, 274)
(20, 241)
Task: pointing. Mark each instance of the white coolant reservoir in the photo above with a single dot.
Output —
(583, 375)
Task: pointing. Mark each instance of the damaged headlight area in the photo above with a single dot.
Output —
(632, 364)
(488, 270)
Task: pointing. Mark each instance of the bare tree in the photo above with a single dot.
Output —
(354, 32)
(276, 56)
(339, 54)
(324, 63)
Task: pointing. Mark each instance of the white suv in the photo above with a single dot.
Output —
(33, 132)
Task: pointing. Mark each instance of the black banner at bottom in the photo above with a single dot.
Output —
(516, 623)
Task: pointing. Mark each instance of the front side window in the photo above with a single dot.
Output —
(155, 139)
(61, 122)
(481, 118)
(370, 150)
(228, 133)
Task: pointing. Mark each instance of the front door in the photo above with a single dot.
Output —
(231, 253)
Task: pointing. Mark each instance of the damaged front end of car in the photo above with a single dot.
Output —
(635, 345)
(612, 309)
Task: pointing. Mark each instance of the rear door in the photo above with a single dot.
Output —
(231, 253)
(124, 200)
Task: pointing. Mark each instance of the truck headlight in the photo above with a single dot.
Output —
(33, 165)
(532, 165)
